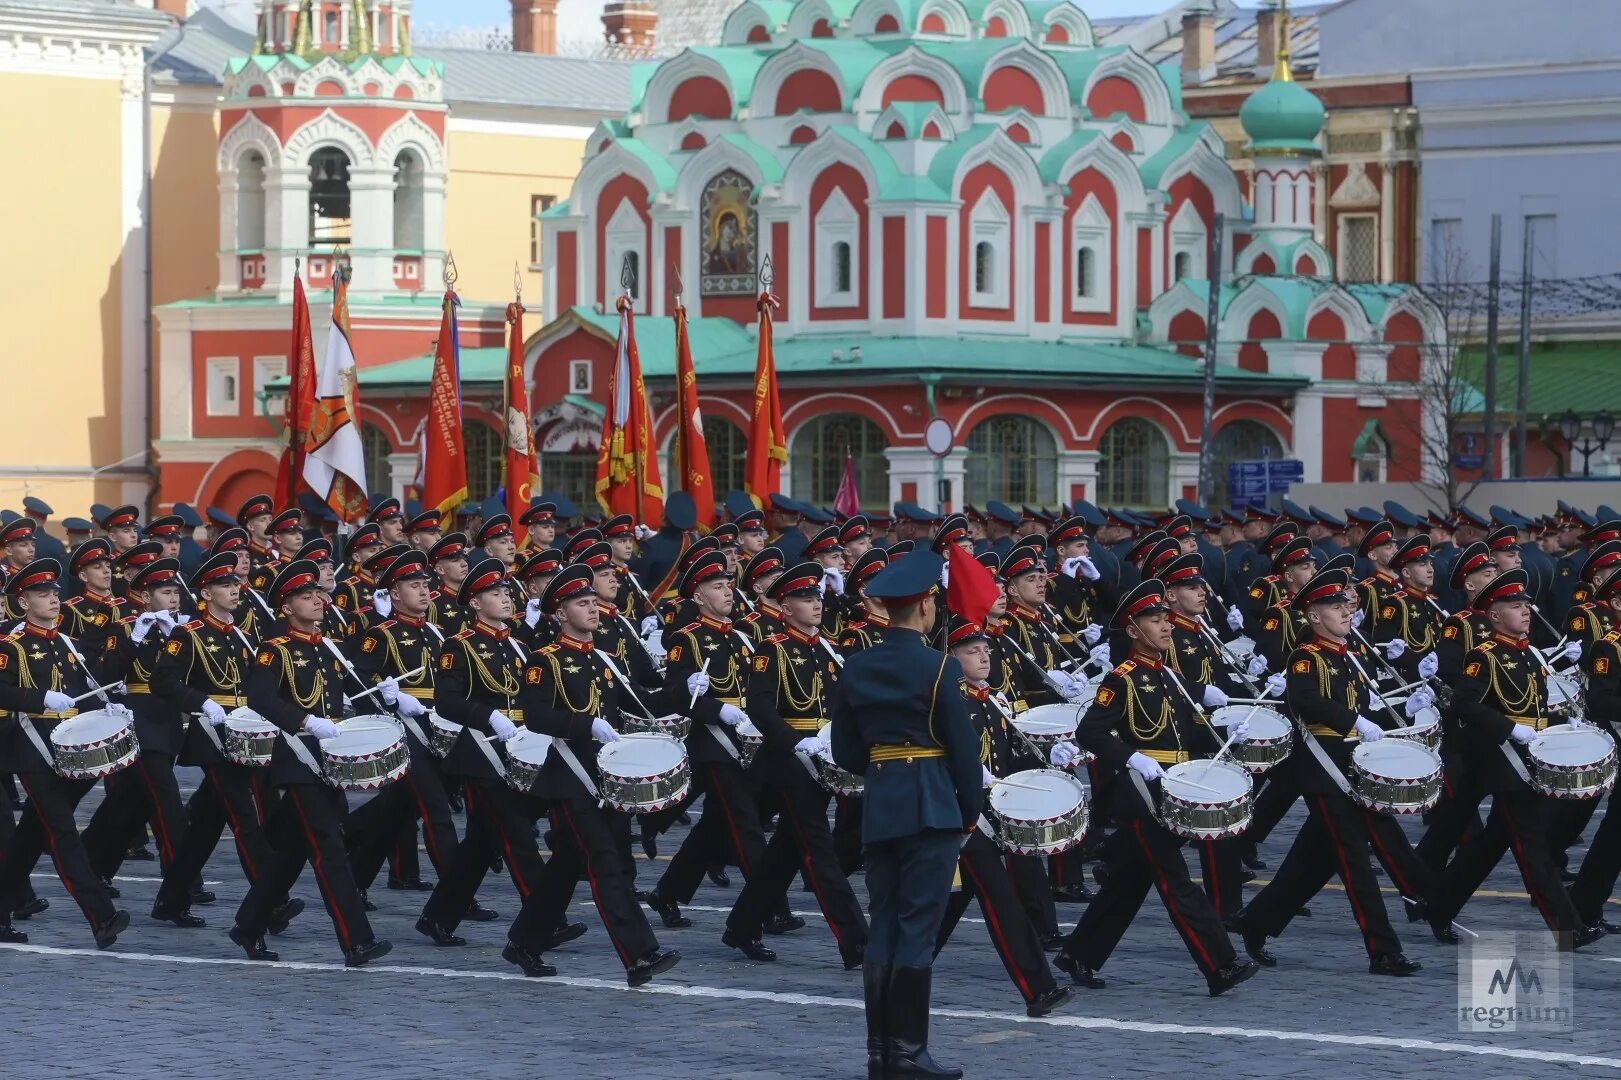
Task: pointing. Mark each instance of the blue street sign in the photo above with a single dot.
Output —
(1257, 479)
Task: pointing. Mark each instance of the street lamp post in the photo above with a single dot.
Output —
(1570, 426)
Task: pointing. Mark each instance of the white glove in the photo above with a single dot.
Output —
(1063, 754)
(1394, 648)
(166, 620)
(1235, 619)
(1070, 565)
(213, 712)
(1257, 666)
(1100, 655)
(655, 646)
(810, 746)
(1214, 698)
(1239, 729)
(650, 624)
(986, 777)
(1573, 651)
(1146, 767)
(320, 727)
(411, 707)
(602, 731)
(833, 579)
(382, 603)
(1427, 666)
(1523, 734)
(504, 729)
(119, 710)
(531, 612)
(644, 532)
(731, 715)
(1089, 569)
(1091, 633)
(1422, 699)
(1275, 685)
(1357, 617)
(56, 701)
(698, 684)
(143, 626)
(1369, 731)
(1375, 702)
(389, 690)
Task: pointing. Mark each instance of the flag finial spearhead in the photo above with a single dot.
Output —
(627, 273)
(765, 274)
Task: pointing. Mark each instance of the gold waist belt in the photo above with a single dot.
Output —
(1167, 757)
(421, 693)
(907, 752)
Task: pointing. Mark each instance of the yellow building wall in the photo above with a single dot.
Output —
(184, 201)
(60, 289)
(487, 199)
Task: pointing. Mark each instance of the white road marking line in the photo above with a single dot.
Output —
(718, 993)
(47, 876)
(727, 910)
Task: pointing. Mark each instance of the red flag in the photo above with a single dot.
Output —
(627, 467)
(444, 461)
(300, 400)
(691, 451)
(970, 588)
(847, 500)
(522, 476)
(768, 446)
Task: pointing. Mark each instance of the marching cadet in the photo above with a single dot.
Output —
(752, 535)
(763, 617)
(356, 586)
(1586, 620)
(614, 633)
(985, 877)
(1327, 695)
(95, 607)
(18, 537)
(1501, 704)
(866, 628)
(539, 523)
(448, 559)
(570, 693)
(122, 527)
(534, 574)
(620, 534)
(422, 531)
(1025, 573)
(707, 679)
(399, 653)
(1409, 614)
(476, 685)
(1266, 590)
(390, 519)
(297, 685)
(1140, 722)
(1074, 589)
(791, 675)
(1279, 629)
(41, 673)
(254, 517)
(825, 550)
(900, 721)
(1602, 665)
(287, 536)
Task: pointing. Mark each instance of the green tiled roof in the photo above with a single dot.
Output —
(913, 115)
(484, 365)
(1581, 376)
(1152, 169)
(855, 57)
(1061, 151)
(664, 174)
(770, 168)
(943, 168)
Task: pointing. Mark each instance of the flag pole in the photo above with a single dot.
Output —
(627, 281)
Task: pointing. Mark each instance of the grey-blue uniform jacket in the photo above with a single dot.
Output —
(900, 692)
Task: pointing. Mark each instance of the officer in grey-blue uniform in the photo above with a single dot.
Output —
(899, 718)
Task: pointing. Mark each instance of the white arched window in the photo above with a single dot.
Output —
(1189, 241)
(838, 251)
(250, 202)
(626, 236)
(407, 202)
(989, 229)
(1091, 235)
(1134, 465)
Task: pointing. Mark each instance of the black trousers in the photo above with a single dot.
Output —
(594, 843)
(48, 824)
(1519, 822)
(1455, 817)
(1029, 876)
(391, 816)
(1566, 820)
(309, 825)
(499, 822)
(146, 791)
(1340, 837)
(230, 794)
(802, 841)
(1278, 793)
(1602, 865)
(1221, 866)
(847, 832)
(731, 816)
(1016, 938)
(1144, 856)
(8, 829)
(403, 861)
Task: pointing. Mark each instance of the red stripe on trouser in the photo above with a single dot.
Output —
(998, 935)
(731, 824)
(236, 827)
(318, 864)
(1200, 953)
(1519, 857)
(1345, 874)
(506, 842)
(427, 830)
(1211, 861)
(50, 838)
(1385, 857)
(160, 824)
(810, 872)
(591, 877)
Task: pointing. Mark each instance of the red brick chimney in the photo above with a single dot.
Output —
(1198, 45)
(1266, 41)
(175, 9)
(630, 23)
(534, 26)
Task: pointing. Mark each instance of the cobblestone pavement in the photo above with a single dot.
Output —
(177, 1003)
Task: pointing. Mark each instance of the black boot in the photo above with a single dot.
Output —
(874, 987)
(906, 1026)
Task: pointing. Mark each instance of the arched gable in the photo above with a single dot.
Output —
(1352, 318)
(410, 131)
(328, 129)
(740, 26)
(1132, 68)
(705, 76)
(791, 66)
(1014, 72)
(869, 17)
(250, 133)
(1015, 22)
(913, 62)
(705, 165)
(1253, 299)
(946, 17)
(1067, 25)
(806, 15)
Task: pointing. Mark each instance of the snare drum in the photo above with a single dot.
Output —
(1267, 740)
(1241, 647)
(750, 740)
(835, 779)
(368, 752)
(673, 725)
(442, 734)
(1426, 728)
(1044, 815)
(643, 773)
(249, 738)
(1572, 763)
(94, 744)
(1049, 725)
(1205, 800)
(1565, 700)
(526, 753)
(1395, 776)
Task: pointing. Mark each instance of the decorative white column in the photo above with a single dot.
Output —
(371, 228)
(1078, 467)
(402, 470)
(287, 225)
(914, 465)
(1320, 216)
(1387, 222)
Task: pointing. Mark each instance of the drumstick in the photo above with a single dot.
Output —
(1232, 730)
(1021, 787)
(110, 688)
(702, 671)
(1459, 925)
(368, 693)
(1169, 779)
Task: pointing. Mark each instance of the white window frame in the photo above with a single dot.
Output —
(989, 222)
(837, 222)
(1091, 228)
(625, 232)
(218, 369)
(266, 369)
(1381, 457)
(574, 369)
(1189, 237)
(1342, 231)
